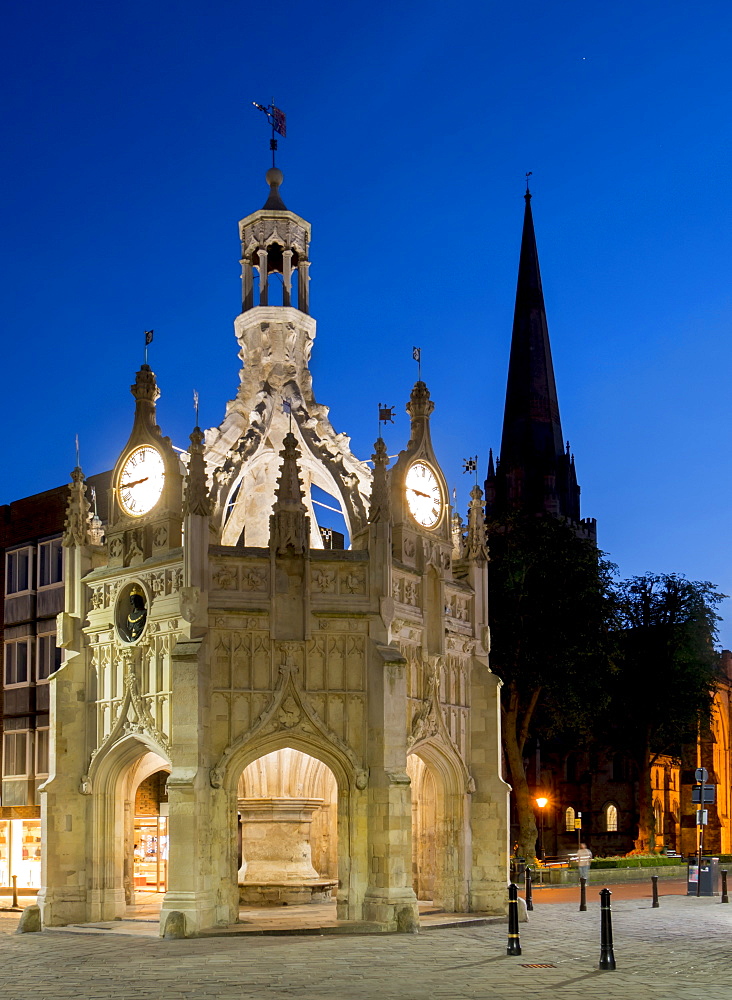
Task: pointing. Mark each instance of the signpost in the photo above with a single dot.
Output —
(701, 775)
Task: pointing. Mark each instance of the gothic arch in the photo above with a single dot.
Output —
(352, 797)
(451, 801)
(109, 772)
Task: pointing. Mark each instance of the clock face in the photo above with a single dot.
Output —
(424, 496)
(141, 481)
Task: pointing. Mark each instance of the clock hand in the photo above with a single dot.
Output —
(126, 486)
(419, 492)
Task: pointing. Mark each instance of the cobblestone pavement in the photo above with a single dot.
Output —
(681, 950)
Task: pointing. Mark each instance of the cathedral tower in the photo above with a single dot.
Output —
(536, 472)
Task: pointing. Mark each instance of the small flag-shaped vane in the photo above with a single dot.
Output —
(471, 465)
(279, 121)
(386, 414)
(149, 337)
(417, 353)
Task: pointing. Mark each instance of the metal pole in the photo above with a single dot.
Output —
(583, 893)
(514, 945)
(725, 897)
(543, 856)
(701, 834)
(15, 892)
(607, 958)
(654, 884)
(527, 882)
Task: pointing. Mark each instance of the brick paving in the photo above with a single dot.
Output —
(681, 950)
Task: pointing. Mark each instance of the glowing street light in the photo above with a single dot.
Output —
(541, 803)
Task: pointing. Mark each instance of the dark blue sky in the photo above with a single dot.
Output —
(132, 149)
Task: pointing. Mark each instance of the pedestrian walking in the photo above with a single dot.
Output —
(584, 856)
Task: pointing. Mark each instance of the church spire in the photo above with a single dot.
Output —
(534, 474)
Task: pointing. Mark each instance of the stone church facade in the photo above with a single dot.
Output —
(326, 718)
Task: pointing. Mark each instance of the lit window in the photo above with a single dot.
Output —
(49, 656)
(17, 661)
(18, 571)
(50, 563)
(569, 819)
(611, 819)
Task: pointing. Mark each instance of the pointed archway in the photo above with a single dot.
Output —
(287, 802)
(440, 842)
(114, 780)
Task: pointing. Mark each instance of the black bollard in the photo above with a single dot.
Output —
(583, 893)
(514, 945)
(725, 897)
(607, 958)
(654, 884)
(529, 897)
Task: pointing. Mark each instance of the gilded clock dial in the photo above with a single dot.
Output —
(141, 481)
(424, 495)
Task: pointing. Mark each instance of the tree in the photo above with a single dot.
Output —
(551, 615)
(667, 673)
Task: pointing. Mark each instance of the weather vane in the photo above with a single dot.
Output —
(287, 408)
(148, 341)
(278, 120)
(386, 415)
(417, 355)
(195, 404)
(471, 465)
(527, 181)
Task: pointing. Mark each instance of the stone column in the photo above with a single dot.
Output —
(390, 899)
(286, 277)
(489, 801)
(247, 287)
(192, 829)
(263, 277)
(303, 291)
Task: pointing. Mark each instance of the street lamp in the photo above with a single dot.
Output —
(541, 803)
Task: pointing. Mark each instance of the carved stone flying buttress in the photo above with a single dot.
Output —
(275, 344)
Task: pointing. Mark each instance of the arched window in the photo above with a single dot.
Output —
(569, 819)
(659, 819)
(611, 818)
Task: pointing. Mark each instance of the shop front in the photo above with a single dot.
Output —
(151, 853)
(150, 835)
(20, 850)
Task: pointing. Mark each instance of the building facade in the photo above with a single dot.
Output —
(32, 586)
(300, 718)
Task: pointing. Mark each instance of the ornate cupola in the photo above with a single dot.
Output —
(274, 243)
(275, 333)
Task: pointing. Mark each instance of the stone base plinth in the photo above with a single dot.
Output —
(286, 893)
